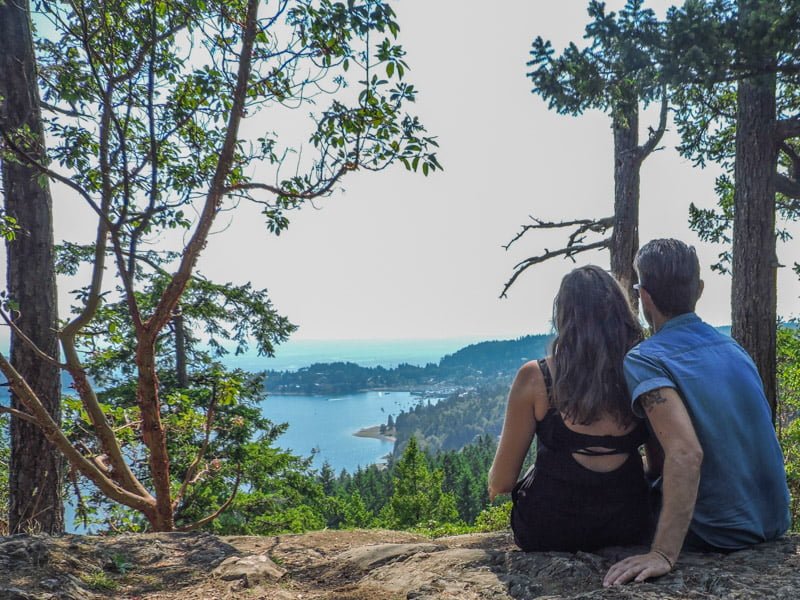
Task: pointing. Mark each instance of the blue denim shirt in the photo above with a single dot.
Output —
(743, 498)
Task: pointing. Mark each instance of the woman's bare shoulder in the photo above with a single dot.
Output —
(531, 388)
(531, 372)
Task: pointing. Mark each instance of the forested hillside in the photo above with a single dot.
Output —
(494, 357)
(455, 421)
(468, 366)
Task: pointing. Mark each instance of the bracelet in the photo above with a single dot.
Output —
(663, 555)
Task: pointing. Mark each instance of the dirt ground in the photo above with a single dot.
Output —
(172, 566)
(365, 565)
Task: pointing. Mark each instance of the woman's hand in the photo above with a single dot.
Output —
(492, 494)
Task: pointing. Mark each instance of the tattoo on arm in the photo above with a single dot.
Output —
(649, 399)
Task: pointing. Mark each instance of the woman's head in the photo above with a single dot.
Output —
(595, 327)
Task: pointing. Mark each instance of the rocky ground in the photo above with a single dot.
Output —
(363, 565)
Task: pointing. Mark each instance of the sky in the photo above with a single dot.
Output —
(396, 255)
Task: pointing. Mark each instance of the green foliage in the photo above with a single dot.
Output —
(8, 226)
(418, 498)
(613, 73)
(494, 518)
(215, 319)
(708, 48)
(465, 475)
(100, 581)
(788, 375)
(161, 82)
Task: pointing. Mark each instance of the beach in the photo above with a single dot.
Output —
(374, 432)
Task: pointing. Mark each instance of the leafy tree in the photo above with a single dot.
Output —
(616, 73)
(418, 497)
(736, 66)
(327, 479)
(148, 102)
(36, 467)
(356, 512)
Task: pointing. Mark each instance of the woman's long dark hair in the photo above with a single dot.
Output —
(595, 327)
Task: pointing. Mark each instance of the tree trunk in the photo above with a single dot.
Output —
(153, 434)
(36, 467)
(180, 349)
(625, 235)
(754, 266)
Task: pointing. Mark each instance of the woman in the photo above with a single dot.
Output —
(587, 489)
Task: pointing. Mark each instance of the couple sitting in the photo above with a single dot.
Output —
(691, 395)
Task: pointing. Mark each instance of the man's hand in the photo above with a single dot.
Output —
(638, 568)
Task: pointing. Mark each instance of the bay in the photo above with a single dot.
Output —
(325, 425)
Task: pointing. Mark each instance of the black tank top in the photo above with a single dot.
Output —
(562, 505)
(556, 436)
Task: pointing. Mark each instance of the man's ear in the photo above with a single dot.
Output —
(700, 289)
(645, 297)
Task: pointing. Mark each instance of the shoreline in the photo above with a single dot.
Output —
(374, 432)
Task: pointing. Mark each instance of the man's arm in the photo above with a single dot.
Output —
(683, 456)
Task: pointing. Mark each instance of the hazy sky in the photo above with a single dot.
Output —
(398, 255)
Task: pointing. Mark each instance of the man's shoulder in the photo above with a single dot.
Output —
(647, 348)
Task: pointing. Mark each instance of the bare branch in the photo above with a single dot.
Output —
(787, 128)
(19, 414)
(655, 136)
(219, 511)
(29, 342)
(190, 472)
(584, 225)
(787, 187)
(36, 164)
(568, 252)
(314, 192)
(62, 111)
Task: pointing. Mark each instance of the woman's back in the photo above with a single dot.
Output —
(587, 488)
(602, 446)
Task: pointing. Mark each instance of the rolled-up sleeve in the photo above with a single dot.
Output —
(643, 374)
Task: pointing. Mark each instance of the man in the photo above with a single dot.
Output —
(724, 485)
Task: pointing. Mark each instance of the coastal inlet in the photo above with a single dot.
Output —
(342, 430)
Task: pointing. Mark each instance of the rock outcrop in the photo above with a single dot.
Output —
(365, 565)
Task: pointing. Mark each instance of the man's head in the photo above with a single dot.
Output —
(669, 277)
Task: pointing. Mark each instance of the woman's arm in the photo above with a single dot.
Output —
(518, 429)
(654, 458)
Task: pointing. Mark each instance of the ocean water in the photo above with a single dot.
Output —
(325, 426)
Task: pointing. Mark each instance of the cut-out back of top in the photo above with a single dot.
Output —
(555, 435)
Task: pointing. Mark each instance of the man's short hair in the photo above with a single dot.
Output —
(670, 272)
